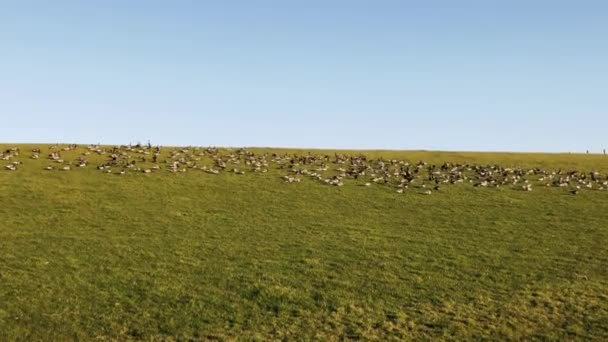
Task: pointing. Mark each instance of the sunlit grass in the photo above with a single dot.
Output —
(85, 254)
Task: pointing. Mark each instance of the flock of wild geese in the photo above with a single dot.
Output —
(398, 175)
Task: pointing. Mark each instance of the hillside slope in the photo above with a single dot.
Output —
(85, 253)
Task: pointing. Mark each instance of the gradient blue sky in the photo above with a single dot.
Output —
(451, 75)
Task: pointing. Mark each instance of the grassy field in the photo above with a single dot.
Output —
(190, 255)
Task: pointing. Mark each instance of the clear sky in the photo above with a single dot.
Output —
(518, 75)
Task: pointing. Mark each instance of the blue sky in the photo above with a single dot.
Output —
(450, 75)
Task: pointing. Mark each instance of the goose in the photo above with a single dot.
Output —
(290, 179)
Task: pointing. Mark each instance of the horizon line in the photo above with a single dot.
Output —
(317, 148)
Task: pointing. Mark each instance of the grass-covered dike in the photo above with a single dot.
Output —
(87, 254)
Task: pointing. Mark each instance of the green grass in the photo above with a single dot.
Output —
(87, 255)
